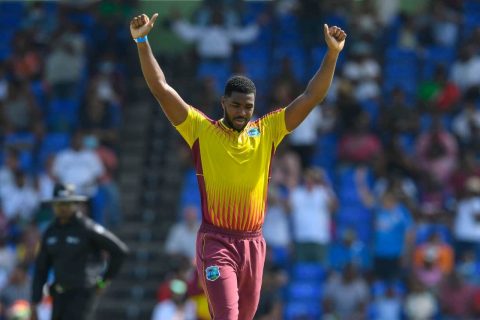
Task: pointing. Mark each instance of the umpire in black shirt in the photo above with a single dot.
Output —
(72, 246)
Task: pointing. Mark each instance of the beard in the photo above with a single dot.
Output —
(233, 124)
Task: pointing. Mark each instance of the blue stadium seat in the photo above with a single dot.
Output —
(62, 114)
(302, 310)
(308, 271)
(20, 139)
(436, 55)
(52, 143)
(305, 291)
(219, 71)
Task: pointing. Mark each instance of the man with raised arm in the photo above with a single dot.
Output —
(232, 158)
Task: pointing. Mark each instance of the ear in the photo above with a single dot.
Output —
(223, 102)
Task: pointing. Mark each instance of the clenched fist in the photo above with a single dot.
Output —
(141, 25)
(335, 37)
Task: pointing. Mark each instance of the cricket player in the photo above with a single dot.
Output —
(232, 158)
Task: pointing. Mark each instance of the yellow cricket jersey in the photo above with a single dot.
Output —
(233, 167)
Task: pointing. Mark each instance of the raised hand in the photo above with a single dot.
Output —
(335, 37)
(141, 25)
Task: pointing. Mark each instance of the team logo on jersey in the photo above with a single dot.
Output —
(212, 273)
(253, 132)
(72, 240)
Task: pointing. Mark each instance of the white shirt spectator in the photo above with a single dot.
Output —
(215, 41)
(463, 122)
(167, 310)
(466, 73)
(275, 228)
(81, 168)
(182, 236)
(467, 220)
(311, 214)
(21, 201)
(306, 133)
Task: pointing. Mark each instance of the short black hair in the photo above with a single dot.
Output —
(240, 84)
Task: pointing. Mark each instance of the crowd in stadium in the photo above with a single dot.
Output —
(374, 202)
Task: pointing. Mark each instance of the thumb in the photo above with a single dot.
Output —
(152, 21)
(325, 30)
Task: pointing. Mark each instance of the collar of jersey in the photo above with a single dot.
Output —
(227, 128)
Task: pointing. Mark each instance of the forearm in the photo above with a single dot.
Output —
(315, 92)
(151, 70)
(320, 83)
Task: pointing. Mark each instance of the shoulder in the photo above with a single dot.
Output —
(89, 225)
(272, 115)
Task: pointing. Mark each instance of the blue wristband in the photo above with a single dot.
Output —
(141, 39)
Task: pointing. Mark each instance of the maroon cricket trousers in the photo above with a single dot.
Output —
(230, 266)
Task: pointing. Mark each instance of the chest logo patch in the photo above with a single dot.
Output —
(51, 240)
(72, 240)
(212, 273)
(253, 132)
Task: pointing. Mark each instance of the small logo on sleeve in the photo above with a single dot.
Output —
(212, 273)
(253, 132)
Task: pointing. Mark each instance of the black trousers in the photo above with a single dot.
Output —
(73, 304)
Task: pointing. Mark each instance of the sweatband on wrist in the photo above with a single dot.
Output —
(141, 39)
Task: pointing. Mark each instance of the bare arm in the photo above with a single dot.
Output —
(172, 104)
(318, 86)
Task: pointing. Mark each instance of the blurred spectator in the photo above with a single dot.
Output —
(467, 219)
(439, 94)
(437, 151)
(388, 306)
(444, 24)
(180, 267)
(215, 39)
(98, 117)
(312, 204)
(456, 298)
(19, 111)
(113, 211)
(428, 272)
(20, 200)
(348, 292)
(358, 145)
(466, 124)
(208, 8)
(393, 235)
(419, 303)
(276, 227)
(349, 249)
(468, 267)
(41, 21)
(178, 306)
(437, 249)
(17, 288)
(181, 239)
(8, 259)
(466, 68)
(408, 33)
(468, 167)
(397, 116)
(364, 71)
(26, 60)
(20, 310)
(304, 138)
(79, 166)
(11, 165)
(64, 67)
